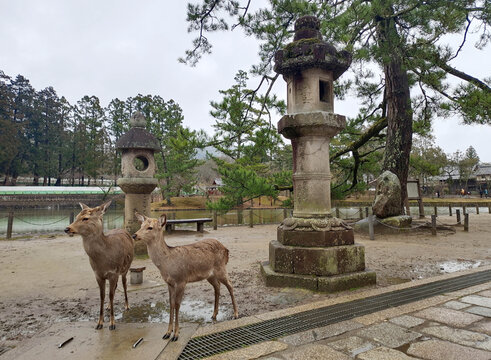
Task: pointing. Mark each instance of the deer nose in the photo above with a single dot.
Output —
(67, 230)
(134, 236)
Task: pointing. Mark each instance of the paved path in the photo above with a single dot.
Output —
(452, 326)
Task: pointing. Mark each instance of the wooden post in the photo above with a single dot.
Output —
(477, 209)
(421, 209)
(10, 223)
(457, 213)
(337, 212)
(215, 220)
(173, 226)
(463, 210)
(489, 209)
(435, 210)
(450, 209)
(433, 225)
(240, 217)
(466, 222)
(361, 213)
(251, 219)
(370, 227)
(72, 217)
(366, 211)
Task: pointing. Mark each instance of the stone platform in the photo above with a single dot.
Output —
(316, 254)
(334, 283)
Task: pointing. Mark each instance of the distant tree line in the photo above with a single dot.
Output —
(45, 137)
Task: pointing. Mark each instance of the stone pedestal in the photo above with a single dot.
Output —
(313, 250)
(322, 259)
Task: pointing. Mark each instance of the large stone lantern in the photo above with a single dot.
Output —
(313, 249)
(138, 168)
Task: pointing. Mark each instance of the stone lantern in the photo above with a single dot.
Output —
(138, 168)
(313, 249)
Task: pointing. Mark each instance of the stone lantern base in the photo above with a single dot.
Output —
(322, 259)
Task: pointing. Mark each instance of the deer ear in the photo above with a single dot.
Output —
(83, 206)
(162, 220)
(141, 218)
(105, 206)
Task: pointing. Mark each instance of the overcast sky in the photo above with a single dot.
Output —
(119, 48)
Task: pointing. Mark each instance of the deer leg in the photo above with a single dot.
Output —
(216, 285)
(102, 294)
(225, 281)
(179, 294)
(126, 305)
(113, 284)
(171, 314)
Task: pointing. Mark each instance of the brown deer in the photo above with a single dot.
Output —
(110, 254)
(204, 260)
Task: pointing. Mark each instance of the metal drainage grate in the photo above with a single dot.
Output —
(208, 345)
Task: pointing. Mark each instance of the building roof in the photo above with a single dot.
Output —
(482, 169)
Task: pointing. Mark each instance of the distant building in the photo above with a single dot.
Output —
(214, 189)
(479, 179)
(482, 173)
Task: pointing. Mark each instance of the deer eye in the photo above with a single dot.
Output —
(150, 228)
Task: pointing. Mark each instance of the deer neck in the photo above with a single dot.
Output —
(158, 251)
(95, 242)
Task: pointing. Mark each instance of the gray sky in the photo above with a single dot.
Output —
(119, 48)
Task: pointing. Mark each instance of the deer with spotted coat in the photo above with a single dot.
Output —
(179, 265)
(110, 254)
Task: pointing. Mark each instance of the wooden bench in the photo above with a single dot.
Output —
(170, 225)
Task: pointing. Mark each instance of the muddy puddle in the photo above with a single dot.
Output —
(457, 265)
(190, 311)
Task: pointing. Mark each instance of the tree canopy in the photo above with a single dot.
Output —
(402, 72)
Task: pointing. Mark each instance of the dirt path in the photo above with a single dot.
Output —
(45, 280)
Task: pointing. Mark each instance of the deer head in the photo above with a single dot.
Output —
(150, 228)
(88, 221)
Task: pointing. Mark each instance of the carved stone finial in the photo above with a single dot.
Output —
(138, 120)
(307, 27)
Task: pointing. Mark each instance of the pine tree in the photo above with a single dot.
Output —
(398, 47)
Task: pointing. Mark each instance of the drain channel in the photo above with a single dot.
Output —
(208, 345)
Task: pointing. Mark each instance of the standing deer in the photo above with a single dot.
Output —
(110, 254)
(204, 260)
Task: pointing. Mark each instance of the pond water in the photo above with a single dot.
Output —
(54, 219)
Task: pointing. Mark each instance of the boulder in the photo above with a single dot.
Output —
(401, 221)
(388, 198)
(390, 225)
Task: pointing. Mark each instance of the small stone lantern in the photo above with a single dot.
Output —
(138, 168)
(313, 250)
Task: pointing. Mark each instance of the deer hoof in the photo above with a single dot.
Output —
(166, 336)
(174, 338)
(112, 327)
(98, 327)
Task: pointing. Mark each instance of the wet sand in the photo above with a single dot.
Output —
(49, 279)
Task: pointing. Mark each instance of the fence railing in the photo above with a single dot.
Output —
(40, 221)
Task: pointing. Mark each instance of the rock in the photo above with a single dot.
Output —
(394, 225)
(401, 221)
(388, 199)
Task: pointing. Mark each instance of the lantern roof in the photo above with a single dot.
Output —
(137, 137)
(308, 50)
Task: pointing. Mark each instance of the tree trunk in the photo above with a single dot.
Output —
(399, 112)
